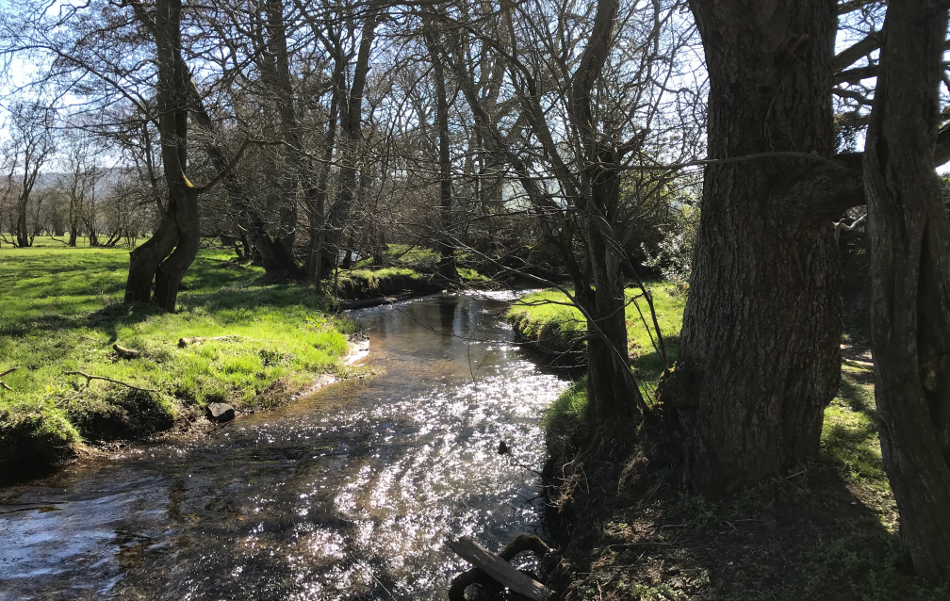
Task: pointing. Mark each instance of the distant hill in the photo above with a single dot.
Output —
(111, 178)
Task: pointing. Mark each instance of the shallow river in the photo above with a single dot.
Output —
(348, 493)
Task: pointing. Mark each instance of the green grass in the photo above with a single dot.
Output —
(416, 258)
(849, 440)
(60, 311)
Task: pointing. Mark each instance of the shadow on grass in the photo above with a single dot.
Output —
(807, 535)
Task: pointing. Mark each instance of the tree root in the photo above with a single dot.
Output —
(90, 378)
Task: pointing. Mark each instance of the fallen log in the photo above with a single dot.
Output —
(367, 302)
(126, 353)
(500, 570)
(9, 371)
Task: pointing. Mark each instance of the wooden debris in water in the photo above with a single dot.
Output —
(499, 569)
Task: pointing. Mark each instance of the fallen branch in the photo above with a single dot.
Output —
(500, 570)
(183, 342)
(126, 353)
(90, 378)
(9, 371)
(194, 340)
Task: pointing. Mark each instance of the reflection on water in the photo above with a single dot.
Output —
(347, 494)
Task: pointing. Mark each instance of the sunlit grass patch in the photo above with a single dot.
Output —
(368, 283)
(399, 261)
(849, 437)
(60, 312)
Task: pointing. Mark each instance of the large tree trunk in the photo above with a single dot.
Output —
(910, 271)
(759, 356)
(614, 394)
(178, 233)
(145, 259)
(612, 389)
(276, 69)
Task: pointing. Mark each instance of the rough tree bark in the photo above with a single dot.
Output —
(759, 355)
(909, 236)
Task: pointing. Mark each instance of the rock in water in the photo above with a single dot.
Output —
(220, 412)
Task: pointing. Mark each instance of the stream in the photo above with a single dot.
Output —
(345, 494)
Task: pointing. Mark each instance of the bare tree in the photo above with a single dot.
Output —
(582, 117)
(30, 147)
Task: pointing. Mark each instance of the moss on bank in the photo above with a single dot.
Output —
(60, 312)
(827, 530)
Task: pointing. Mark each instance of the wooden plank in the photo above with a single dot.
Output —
(499, 569)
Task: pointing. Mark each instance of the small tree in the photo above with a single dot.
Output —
(30, 147)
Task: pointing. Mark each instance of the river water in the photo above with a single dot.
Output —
(348, 493)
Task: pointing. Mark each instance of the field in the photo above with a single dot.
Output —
(61, 311)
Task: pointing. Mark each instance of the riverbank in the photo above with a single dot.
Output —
(343, 494)
(827, 530)
(404, 271)
(547, 323)
(61, 315)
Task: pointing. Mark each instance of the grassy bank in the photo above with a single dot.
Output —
(60, 311)
(827, 530)
(404, 269)
(549, 323)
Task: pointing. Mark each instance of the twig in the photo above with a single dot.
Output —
(645, 543)
(90, 378)
(195, 340)
(4, 384)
